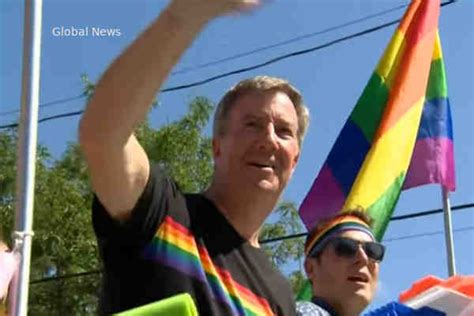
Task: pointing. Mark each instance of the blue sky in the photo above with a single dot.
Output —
(330, 80)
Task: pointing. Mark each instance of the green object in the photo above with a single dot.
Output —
(181, 304)
(305, 293)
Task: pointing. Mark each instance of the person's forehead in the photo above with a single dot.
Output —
(355, 234)
(256, 104)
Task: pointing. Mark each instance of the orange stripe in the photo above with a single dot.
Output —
(409, 14)
(412, 75)
(410, 83)
(331, 224)
(188, 240)
(257, 300)
(424, 22)
(247, 297)
(178, 231)
(177, 226)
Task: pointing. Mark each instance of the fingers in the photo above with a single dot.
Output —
(247, 5)
(215, 8)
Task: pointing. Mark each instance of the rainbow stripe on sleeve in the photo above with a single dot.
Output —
(174, 246)
(399, 134)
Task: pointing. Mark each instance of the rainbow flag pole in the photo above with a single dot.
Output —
(448, 233)
(398, 136)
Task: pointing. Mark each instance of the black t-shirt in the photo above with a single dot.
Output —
(175, 243)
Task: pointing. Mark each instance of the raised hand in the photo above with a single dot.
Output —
(209, 9)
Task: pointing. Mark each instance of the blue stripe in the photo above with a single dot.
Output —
(347, 155)
(436, 120)
(168, 254)
(233, 302)
(174, 257)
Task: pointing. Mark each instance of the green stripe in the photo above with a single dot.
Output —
(369, 108)
(181, 253)
(249, 312)
(437, 87)
(178, 251)
(235, 300)
(382, 209)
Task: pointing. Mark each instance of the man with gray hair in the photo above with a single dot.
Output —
(156, 241)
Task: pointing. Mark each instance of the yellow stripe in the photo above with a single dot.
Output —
(388, 64)
(331, 224)
(249, 300)
(390, 155)
(177, 238)
(437, 52)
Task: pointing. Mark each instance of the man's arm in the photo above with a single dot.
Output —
(118, 165)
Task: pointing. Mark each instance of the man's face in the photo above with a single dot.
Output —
(259, 148)
(342, 281)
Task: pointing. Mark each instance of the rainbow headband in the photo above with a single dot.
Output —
(336, 226)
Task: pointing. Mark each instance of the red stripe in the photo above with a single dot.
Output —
(230, 284)
(177, 226)
(413, 72)
(408, 17)
(248, 298)
(424, 22)
(410, 84)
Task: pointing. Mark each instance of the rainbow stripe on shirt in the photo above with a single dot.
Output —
(174, 246)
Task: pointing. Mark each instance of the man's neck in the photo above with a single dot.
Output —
(323, 303)
(337, 308)
(245, 211)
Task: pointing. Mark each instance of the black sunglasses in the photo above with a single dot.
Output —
(347, 247)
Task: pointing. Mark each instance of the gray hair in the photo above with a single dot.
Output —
(261, 84)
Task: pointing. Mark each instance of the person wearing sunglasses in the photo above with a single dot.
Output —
(342, 264)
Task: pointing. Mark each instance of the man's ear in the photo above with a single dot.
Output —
(308, 267)
(216, 148)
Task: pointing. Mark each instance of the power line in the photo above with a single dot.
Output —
(285, 42)
(45, 119)
(93, 272)
(295, 39)
(394, 218)
(66, 276)
(48, 104)
(286, 56)
(419, 214)
(247, 53)
(234, 72)
(246, 69)
(278, 59)
(439, 232)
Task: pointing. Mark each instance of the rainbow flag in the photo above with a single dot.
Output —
(399, 135)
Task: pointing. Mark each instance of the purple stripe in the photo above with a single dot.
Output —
(169, 255)
(179, 259)
(324, 199)
(432, 162)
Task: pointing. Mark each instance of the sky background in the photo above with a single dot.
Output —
(330, 80)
